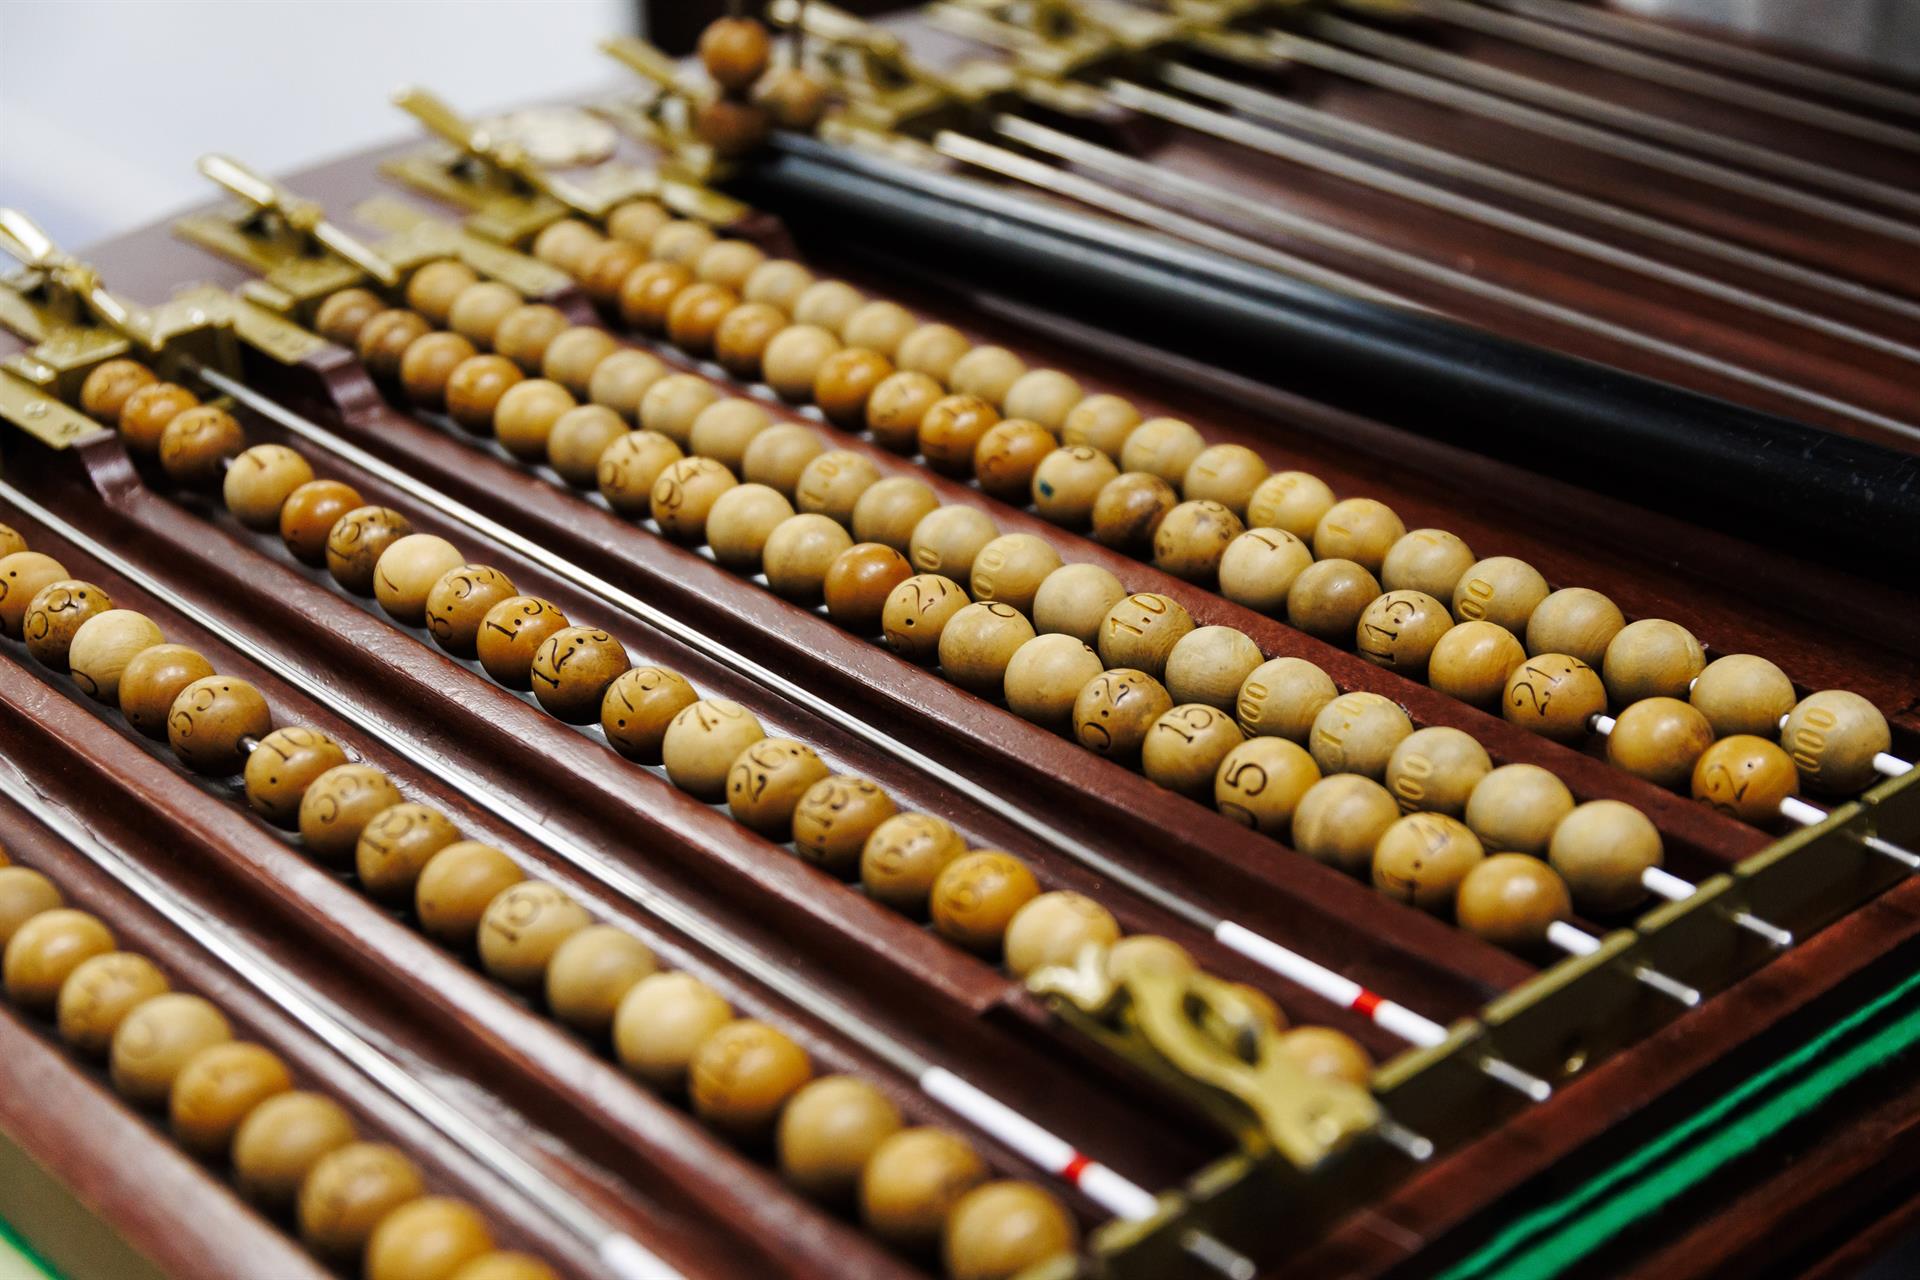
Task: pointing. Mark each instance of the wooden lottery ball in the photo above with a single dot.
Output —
(723, 430)
(1473, 661)
(478, 311)
(1114, 711)
(999, 1230)
(99, 994)
(1554, 695)
(1068, 482)
(1500, 590)
(904, 856)
(157, 1039)
(1651, 658)
(740, 522)
(828, 1131)
(10, 541)
(986, 372)
(217, 1088)
(457, 604)
(579, 438)
(1008, 456)
(1261, 782)
(522, 928)
(1576, 621)
(1326, 1054)
(978, 642)
(23, 575)
(1511, 900)
(1328, 597)
(1423, 857)
(630, 467)
(1282, 697)
(1343, 818)
(1436, 769)
(832, 483)
(932, 349)
(911, 1183)
(1209, 665)
(358, 540)
(1141, 630)
(779, 454)
(681, 242)
(1358, 529)
(638, 707)
(1745, 777)
(1516, 808)
(858, 583)
(728, 263)
(406, 572)
(951, 430)
(878, 327)
(476, 388)
(896, 405)
(395, 844)
(703, 741)
(24, 894)
(604, 268)
(799, 552)
(889, 510)
(1659, 739)
(742, 1075)
(977, 895)
(1602, 850)
(740, 341)
(109, 386)
(662, 1022)
(1144, 953)
(280, 1141)
(684, 495)
(56, 612)
(510, 637)
(338, 805)
(917, 611)
(1045, 675)
(283, 766)
(648, 292)
(778, 283)
(1010, 569)
(694, 316)
(1045, 396)
(1075, 599)
(1192, 538)
(1742, 693)
(152, 679)
(195, 445)
(1102, 422)
(592, 972)
(524, 334)
(1053, 929)
(147, 412)
(341, 315)
(1224, 473)
(1428, 560)
(843, 382)
(525, 417)
(348, 1192)
(572, 669)
(308, 516)
(259, 483)
(1185, 746)
(1163, 447)
(455, 887)
(635, 221)
(766, 781)
(431, 290)
(793, 359)
(949, 539)
(566, 243)
(1259, 567)
(383, 341)
(1356, 733)
(1128, 510)
(673, 403)
(1399, 630)
(501, 1265)
(791, 97)
(46, 949)
(1833, 736)
(828, 304)
(835, 817)
(573, 356)
(426, 1239)
(210, 721)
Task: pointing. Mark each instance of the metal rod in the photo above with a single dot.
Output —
(1576, 942)
(1671, 887)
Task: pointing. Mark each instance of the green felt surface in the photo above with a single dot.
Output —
(18, 1261)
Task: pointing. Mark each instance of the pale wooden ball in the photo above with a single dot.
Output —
(832, 483)
(1554, 695)
(1261, 782)
(103, 646)
(932, 349)
(948, 540)
(703, 741)
(622, 380)
(1054, 928)
(827, 304)
(1101, 422)
(792, 360)
(1227, 474)
(1833, 736)
(681, 242)
(1651, 658)
(671, 405)
(1292, 501)
(1602, 849)
(1184, 748)
(1356, 733)
(889, 510)
(524, 418)
(1358, 529)
(1045, 675)
(1210, 664)
(896, 405)
(976, 896)
(1742, 693)
(1659, 739)
(740, 341)
(1400, 629)
(661, 1023)
(1141, 630)
(1282, 697)
(578, 439)
(1511, 900)
(259, 483)
(1010, 569)
(1500, 590)
(879, 327)
(778, 455)
(1258, 568)
(729, 263)
(987, 372)
(1193, 538)
(1516, 808)
(777, 283)
(1429, 560)
(524, 334)
(1114, 711)
(1075, 600)
(1328, 597)
(1423, 857)
(1473, 661)
(978, 643)
(573, 356)
(1436, 769)
(1068, 482)
(478, 311)
(406, 572)
(917, 611)
(1340, 819)
(1576, 621)
(630, 467)
(835, 818)
(724, 429)
(1163, 447)
(1045, 396)
(740, 522)
(636, 222)
(638, 707)
(799, 552)
(904, 856)
(767, 781)
(565, 243)
(684, 495)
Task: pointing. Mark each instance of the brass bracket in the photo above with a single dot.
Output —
(661, 116)
(416, 236)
